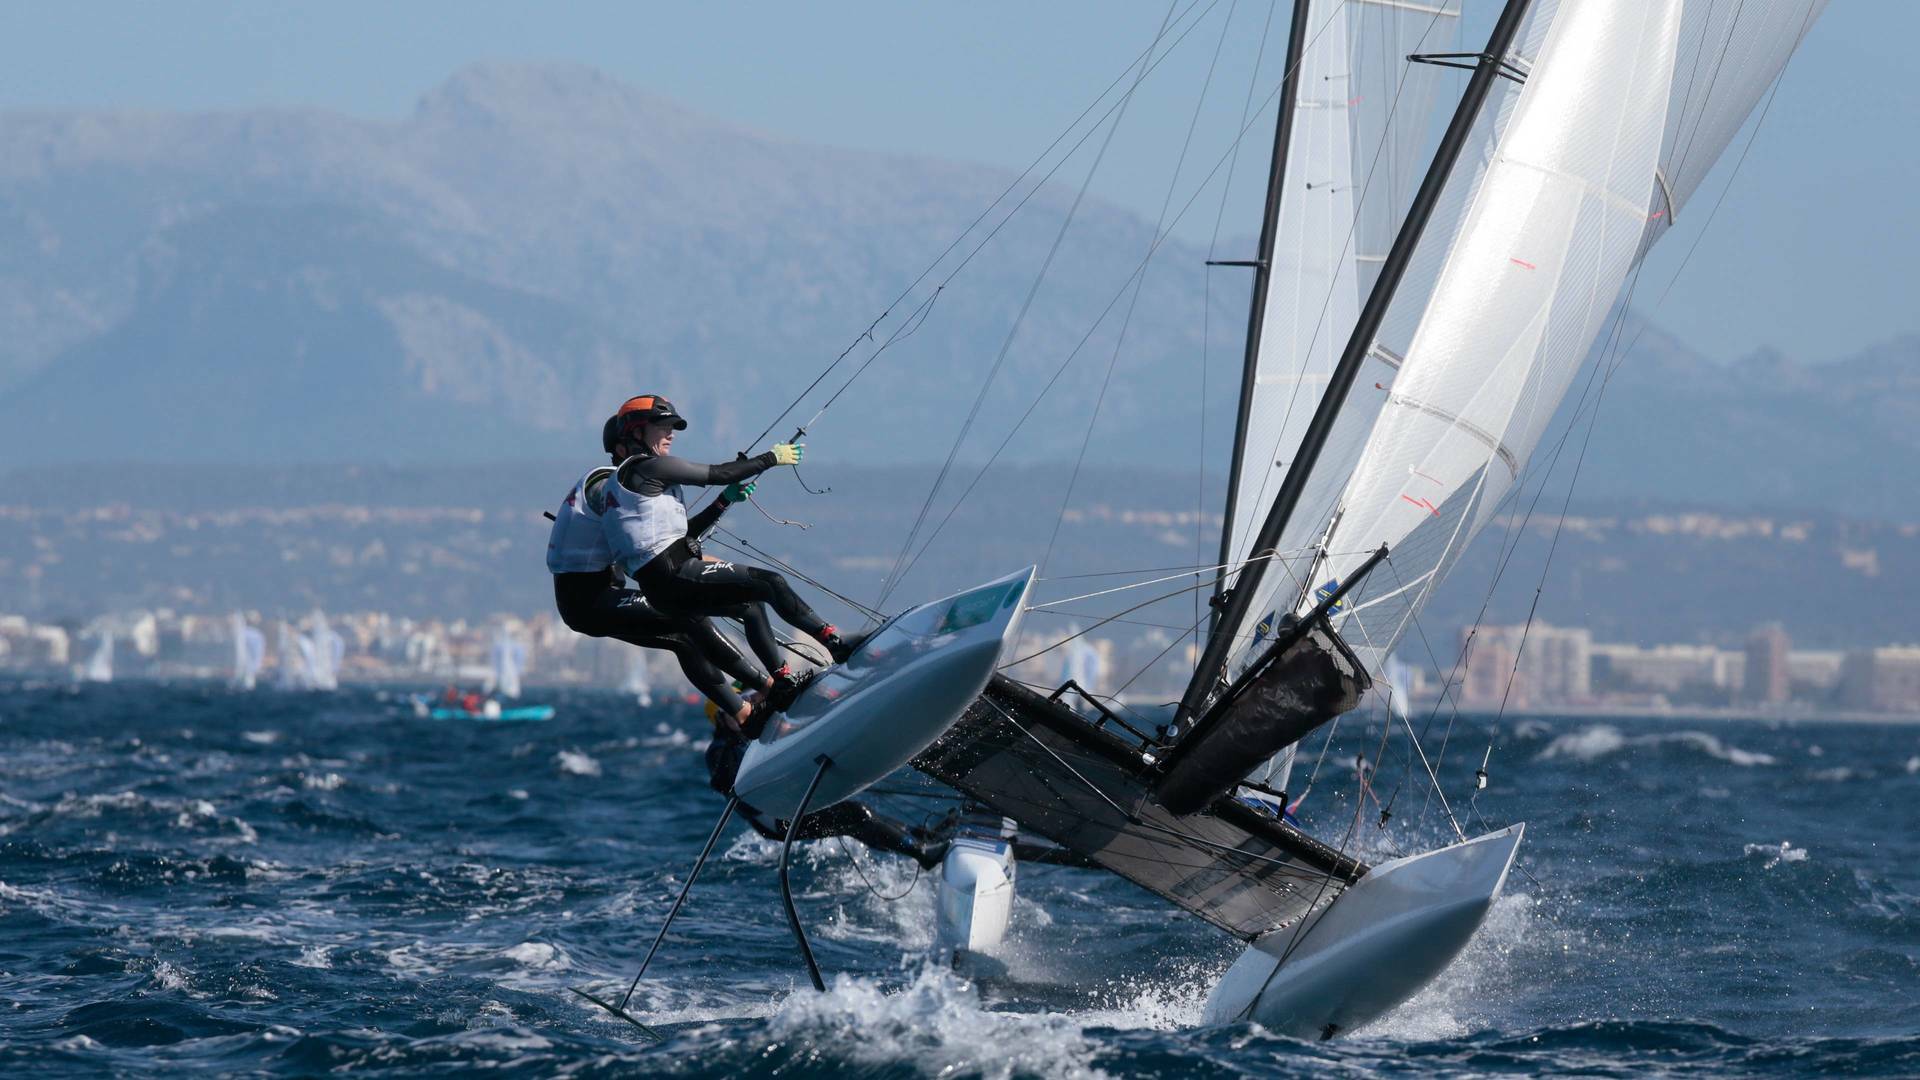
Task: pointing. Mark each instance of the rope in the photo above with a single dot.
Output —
(864, 880)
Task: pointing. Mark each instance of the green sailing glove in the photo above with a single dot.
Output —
(737, 493)
(787, 453)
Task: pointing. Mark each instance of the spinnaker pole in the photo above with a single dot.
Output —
(1262, 273)
(1210, 672)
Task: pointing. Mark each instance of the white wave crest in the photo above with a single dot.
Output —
(539, 955)
(935, 1026)
(314, 956)
(1783, 852)
(1913, 765)
(577, 763)
(1601, 740)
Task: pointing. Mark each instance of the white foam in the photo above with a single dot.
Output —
(1601, 740)
(168, 977)
(577, 763)
(1784, 852)
(77, 1042)
(329, 782)
(934, 1026)
(539, 955)
(261, 738)
(314, 956)
(1467, 996)
(1913, 765)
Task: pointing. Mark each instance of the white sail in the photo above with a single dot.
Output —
(1083, 664)
(249, 651)
(323, 650)
(508, 657)
(1582, 179)
(1362, 125)
(99, 667)
(291, 670)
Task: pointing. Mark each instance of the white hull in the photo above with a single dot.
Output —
(1387, 936)
(975, 892)
(903, 688)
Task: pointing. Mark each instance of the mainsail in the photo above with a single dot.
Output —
(1625, 110)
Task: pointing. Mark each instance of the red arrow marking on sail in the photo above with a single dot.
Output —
(1523, 262)
(1422, 504)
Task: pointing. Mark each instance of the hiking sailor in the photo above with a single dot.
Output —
(592, 600)
(658, 545)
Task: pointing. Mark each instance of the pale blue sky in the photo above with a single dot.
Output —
(1812, 251)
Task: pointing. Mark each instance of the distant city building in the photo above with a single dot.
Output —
(1884, 680)
(1671, 669)
(1545, 665)
(1767, 680)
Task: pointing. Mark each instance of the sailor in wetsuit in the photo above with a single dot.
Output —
(654, 539)
(592, 600)
(659, 545)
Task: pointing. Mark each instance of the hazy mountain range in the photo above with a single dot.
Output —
(484, 278)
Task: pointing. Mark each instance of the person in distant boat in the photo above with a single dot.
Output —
(592, 600)
(658, 544)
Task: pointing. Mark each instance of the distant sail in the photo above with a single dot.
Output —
(323, 650)
(249, 652)
(291, 652)
(99, 667)
(508, 657)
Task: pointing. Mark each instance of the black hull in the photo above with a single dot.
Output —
(1090, 791)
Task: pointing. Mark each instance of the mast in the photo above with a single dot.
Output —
(1239, 599)
(1262, 272)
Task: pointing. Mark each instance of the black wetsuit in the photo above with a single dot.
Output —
(596, 605)
(679, 582)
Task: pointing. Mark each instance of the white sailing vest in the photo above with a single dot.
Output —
(639, 527)
(578, 542)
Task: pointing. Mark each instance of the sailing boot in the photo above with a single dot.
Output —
(786, 688)
(756, 721)
(839, 647)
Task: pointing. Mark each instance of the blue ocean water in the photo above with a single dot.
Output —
(272, 884)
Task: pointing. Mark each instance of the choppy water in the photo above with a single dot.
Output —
(284, 884)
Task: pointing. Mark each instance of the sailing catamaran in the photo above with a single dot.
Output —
(1416, 321)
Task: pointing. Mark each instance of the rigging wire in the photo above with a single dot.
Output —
(1139, 285)
(867, 334)
(1006, 346)
(1075, 352)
